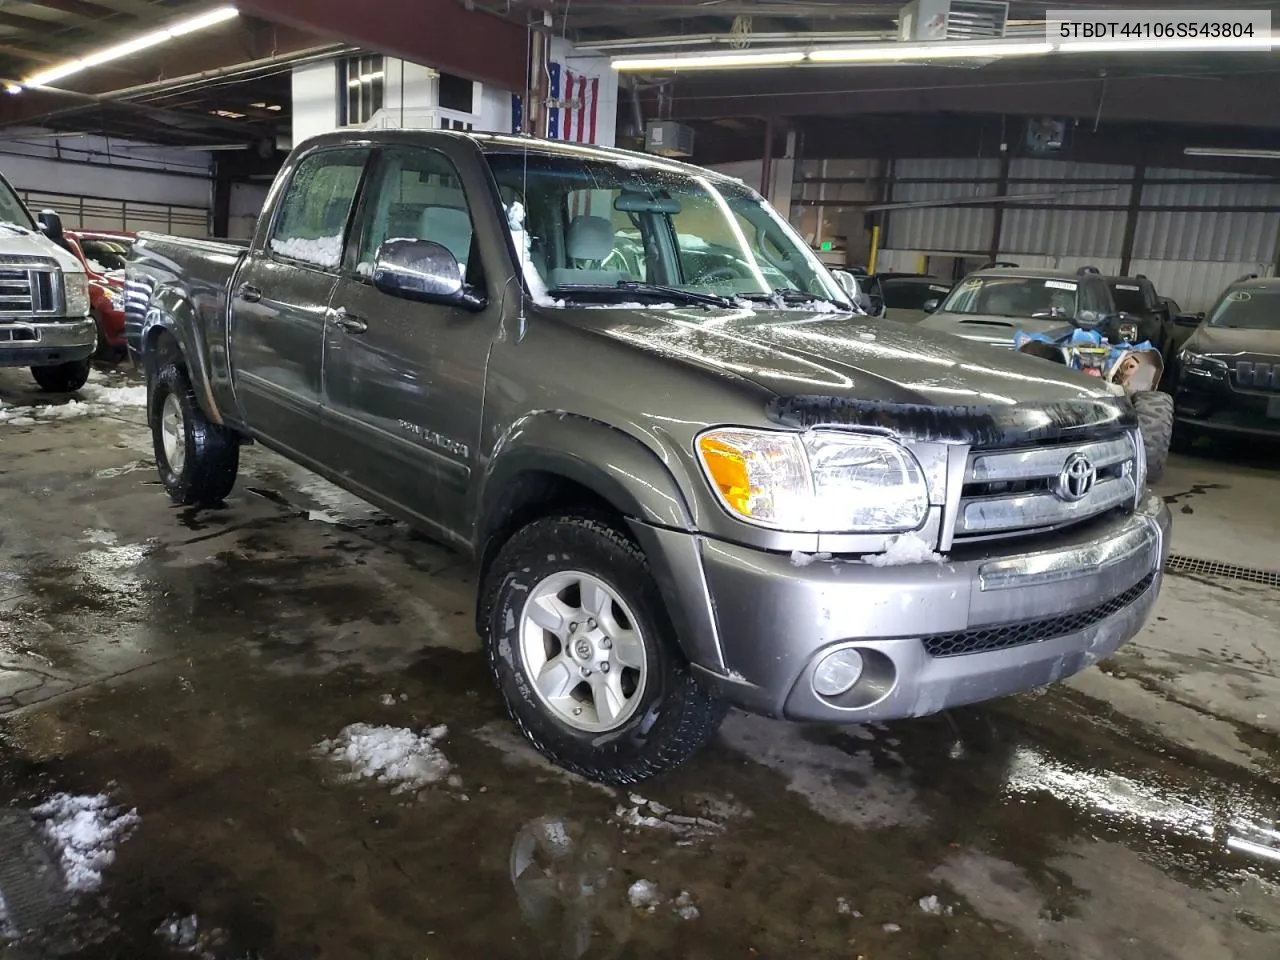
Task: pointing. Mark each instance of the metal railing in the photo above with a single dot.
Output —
(80, 212)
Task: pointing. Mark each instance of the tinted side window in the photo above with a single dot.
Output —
(311, 226)
(912, 294)
(415, 195)
(1129, 297)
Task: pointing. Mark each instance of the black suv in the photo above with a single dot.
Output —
(1228, 378)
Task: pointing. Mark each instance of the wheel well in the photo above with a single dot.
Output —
(530, 496)
(160, 350)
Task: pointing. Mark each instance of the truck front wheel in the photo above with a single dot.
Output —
(197, 459)
(63, 377)
(581, 647)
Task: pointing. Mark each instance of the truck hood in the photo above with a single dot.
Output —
(37, 245)
(841, 356)
(1233, 341)
(992, 329)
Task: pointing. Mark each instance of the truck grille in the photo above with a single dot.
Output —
(1013, 492)
(27, 288)
(1250, 375)
(986, 639)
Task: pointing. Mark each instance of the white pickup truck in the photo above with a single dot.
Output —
(44, 299)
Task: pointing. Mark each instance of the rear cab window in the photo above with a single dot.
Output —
(311, 224)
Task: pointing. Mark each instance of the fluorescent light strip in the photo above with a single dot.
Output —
(143, 42)
(1232, 152)
(888, 52)
(952, 50)
(710, 61)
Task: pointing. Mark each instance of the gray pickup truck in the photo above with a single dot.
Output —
(689, 473)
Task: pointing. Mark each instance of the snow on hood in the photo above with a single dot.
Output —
(839, 355)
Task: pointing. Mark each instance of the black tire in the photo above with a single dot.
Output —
(63, 378)
(1155, 417)
(675, 716)
(211, 456)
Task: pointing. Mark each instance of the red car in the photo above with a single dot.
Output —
(104, 256)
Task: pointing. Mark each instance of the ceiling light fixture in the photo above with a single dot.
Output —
(1232, 152)
(962, 49)
(896, 52)
(709, 61)
(120, 50)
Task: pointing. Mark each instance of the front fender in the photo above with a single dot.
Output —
(607, 461)
(638, 483)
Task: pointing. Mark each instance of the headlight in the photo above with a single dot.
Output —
(1128, 332)
(1201, 366)
(77, 287)
(117, 301)
(823, 481)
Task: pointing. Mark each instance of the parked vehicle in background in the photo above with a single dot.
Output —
(104, 256)
(1156, 316)
(905, 294)
(44, 298)
(685, 483)
(1002, 306)
(1228, 379)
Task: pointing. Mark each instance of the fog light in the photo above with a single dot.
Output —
(836, 673)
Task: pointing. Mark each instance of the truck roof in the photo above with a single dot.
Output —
(515, 143)
(1029, 273)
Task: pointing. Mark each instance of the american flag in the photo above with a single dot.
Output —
(574, 106)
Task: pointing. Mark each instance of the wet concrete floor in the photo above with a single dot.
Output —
(186, 664)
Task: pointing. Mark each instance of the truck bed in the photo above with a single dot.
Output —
(193, 279)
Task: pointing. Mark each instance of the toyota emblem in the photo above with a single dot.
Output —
(1077, 478)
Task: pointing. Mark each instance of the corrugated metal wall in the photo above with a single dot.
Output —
(1190, 254)
(942, 228)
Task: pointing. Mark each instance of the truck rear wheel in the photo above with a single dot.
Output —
(1155, 418)
(197, 459)
(63, 377)
(580, 645)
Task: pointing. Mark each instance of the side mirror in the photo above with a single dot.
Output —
(423, 271)
(1189, 319)
(931, 306)
(51, 226)
(848, 283)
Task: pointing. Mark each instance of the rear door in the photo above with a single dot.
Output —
(404, 381)
(280, 301)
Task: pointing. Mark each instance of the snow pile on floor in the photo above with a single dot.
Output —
(651, 815)
(844, 907)
(322, 251)
(6, 932)
(645, 895)
(85, 831)
(99, 391)
(184, 935)
(905, 550)
(934, 907)
(391, 755)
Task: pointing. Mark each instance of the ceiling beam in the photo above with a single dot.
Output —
(439, 33)
(94, 12)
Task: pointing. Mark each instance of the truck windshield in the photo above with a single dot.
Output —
(1021, 297)
(12, 210)
(1257, 309)
(596, 228)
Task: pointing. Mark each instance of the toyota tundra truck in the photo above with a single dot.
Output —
(690, 474)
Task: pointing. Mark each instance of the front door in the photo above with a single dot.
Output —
(404, 381)
(280, 302)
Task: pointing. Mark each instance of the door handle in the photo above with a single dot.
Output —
(249, 293)
(349, 322)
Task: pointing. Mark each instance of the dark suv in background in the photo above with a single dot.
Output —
(1228, 379)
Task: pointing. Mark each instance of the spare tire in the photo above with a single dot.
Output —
(1155, 417)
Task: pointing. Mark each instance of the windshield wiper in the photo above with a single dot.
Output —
(16, 228)
(646, 289)
(791, 295)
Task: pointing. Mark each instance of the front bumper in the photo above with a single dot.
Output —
(1216, 406)
(46, 343)
(933, 636)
